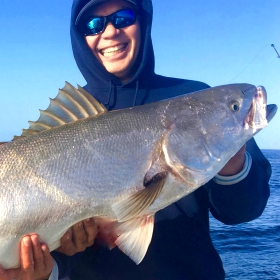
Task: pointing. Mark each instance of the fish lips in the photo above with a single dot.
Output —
(271, 110)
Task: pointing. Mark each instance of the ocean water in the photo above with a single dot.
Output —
(252, 250)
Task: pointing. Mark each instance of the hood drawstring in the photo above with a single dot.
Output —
(136, 93)
(107, 103)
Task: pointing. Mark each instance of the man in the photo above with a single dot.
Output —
(112, 45)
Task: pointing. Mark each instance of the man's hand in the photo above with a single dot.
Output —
(80, 237)
(36, 263)
(235, 164)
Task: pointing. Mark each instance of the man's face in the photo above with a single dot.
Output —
(116, 49)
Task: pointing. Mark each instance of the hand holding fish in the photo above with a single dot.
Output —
(235, 164)
(35, 261)
(80, 237)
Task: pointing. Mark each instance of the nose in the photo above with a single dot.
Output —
(109, 31)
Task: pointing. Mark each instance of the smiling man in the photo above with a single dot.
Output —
(115, 48)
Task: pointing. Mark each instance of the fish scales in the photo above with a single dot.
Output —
(122, 165)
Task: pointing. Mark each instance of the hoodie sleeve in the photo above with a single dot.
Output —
(245, 200)
(63, 265)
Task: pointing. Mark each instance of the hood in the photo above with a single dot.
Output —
(93, 71)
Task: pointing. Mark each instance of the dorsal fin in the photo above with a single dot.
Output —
(71, 104)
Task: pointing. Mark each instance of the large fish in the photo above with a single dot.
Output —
(120, 166)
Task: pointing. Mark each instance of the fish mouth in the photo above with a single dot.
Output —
(259, 113)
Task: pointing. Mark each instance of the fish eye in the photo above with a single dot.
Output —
(235, 106)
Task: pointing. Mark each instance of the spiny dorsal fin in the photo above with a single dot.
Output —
(69, 105)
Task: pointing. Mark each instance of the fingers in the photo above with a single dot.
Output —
(37, 254)
(235, 164)
(80, 237)
(84, 234)
(26, 258)
(35, 258)
(48, 260)
(67, 246)
(91, 231)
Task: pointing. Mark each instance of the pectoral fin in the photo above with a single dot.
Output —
(134, 205)
(135, 237)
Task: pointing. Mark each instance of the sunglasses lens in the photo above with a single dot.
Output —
(123, 18)
(119, 19)
(95, 26)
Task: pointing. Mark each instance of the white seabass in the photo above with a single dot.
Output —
(120, 166)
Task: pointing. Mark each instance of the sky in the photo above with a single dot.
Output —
(218, 42)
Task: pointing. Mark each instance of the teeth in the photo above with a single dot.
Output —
(113, 50)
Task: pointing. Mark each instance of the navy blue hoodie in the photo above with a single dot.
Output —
(181, 246)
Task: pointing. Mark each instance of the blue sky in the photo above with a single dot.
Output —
(217, 42)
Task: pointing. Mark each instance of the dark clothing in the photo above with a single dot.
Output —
(181, 246)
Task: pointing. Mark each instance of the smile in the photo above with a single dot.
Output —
(108, 52)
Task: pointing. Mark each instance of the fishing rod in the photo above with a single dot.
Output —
(272, 45)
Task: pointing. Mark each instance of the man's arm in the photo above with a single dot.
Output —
(245, 200)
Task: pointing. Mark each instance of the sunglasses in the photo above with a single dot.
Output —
(119, 19)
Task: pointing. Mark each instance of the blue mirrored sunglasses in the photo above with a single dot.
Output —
(119, 19)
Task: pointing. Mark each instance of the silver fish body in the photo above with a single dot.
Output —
(122, 165)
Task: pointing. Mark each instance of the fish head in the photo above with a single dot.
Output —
(211, 125)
